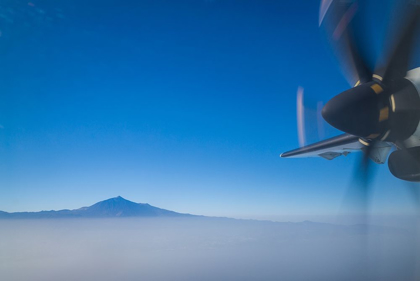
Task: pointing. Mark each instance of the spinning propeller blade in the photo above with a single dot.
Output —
(336, 18)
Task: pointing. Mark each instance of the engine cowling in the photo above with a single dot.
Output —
(405, 164)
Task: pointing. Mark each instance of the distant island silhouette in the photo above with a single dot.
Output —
(113, 207)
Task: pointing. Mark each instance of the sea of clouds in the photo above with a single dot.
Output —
(202, 249)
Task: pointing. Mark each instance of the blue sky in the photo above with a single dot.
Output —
(185, 105)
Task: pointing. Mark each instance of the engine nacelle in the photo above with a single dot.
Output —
(414, 77)
(405, 164)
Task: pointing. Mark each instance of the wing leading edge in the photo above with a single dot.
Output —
(340, 145)
(328, 149)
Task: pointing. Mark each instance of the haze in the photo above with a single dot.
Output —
(201, 249)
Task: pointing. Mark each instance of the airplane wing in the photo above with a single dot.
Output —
(337, 146)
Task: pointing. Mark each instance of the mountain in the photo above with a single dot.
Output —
(113, 207)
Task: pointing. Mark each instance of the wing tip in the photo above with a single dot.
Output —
(287, 154)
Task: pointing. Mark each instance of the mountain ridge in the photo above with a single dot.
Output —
(112, 207)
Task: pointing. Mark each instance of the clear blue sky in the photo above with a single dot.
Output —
(185, 105)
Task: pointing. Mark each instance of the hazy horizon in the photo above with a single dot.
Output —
(402, 220)
(200, 249)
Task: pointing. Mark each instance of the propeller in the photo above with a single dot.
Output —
(368, 110)
(399, 55)
(308, 116)
(300, 117)
(382, 106)
(336, 18)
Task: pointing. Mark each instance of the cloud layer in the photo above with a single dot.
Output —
(201, 249)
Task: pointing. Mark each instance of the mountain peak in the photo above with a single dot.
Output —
(118, 198)
(113, 207)
(120, 207)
